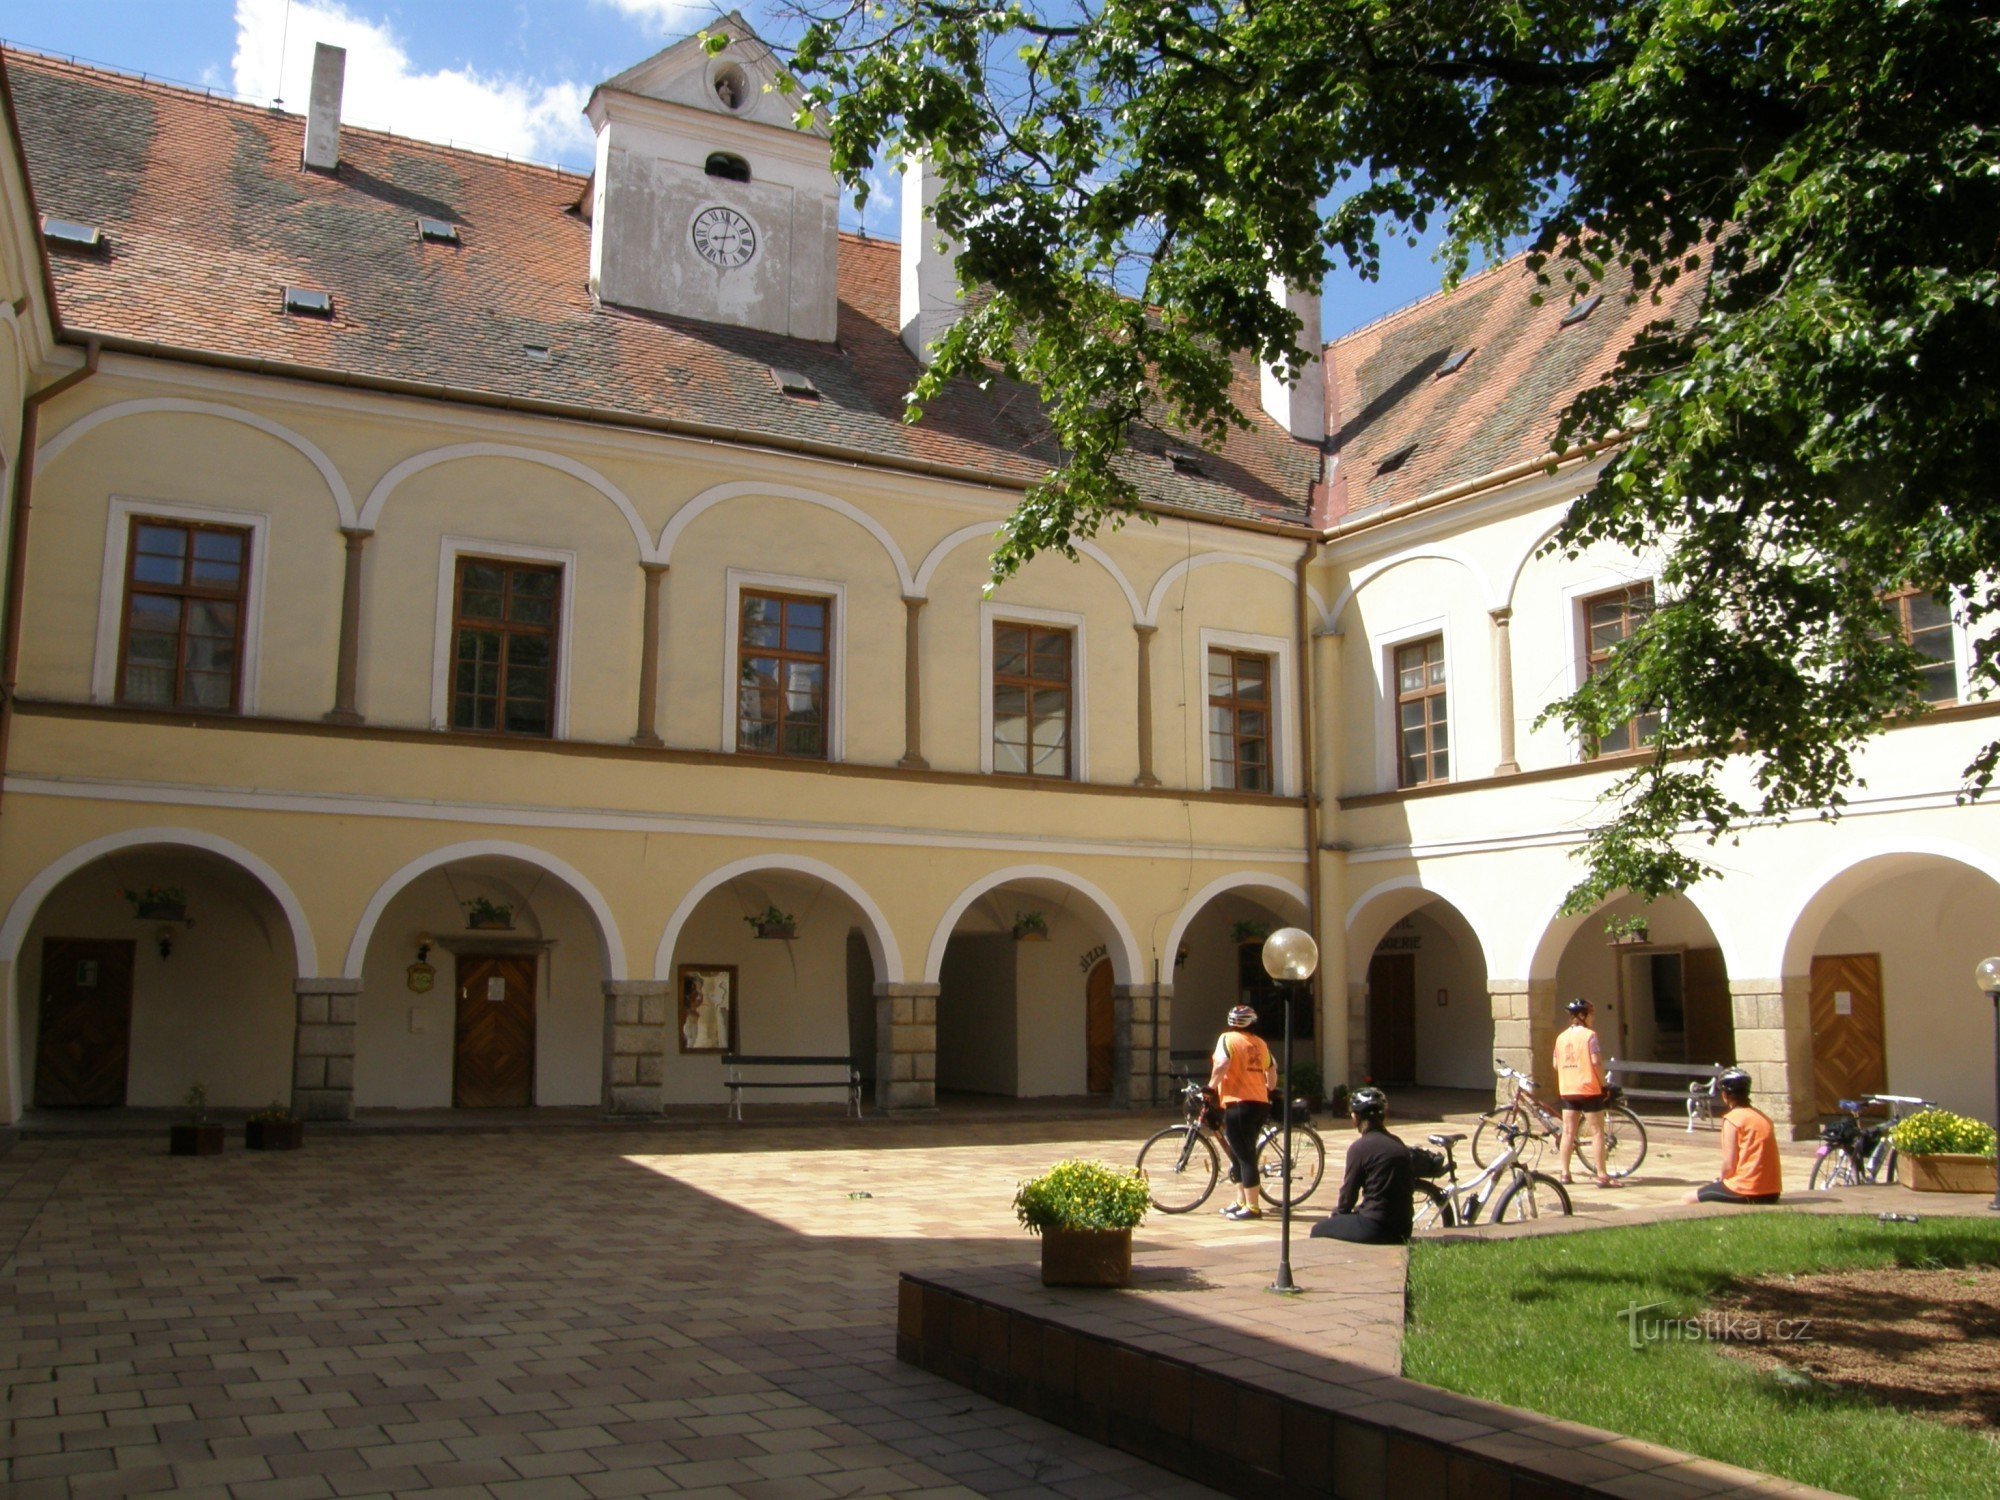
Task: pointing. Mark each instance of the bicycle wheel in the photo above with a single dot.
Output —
(1531, 1195)
(1834, 1170)
(1486, 1134)
(1624, 1142)
(1308, 1164)
(1180, 1167)
(1432, 1208)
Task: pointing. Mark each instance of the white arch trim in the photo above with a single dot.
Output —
(722, 494)
(1707, 906)
(981, 530)
(1783, 933)
(568, 874)
(1124, 949)
(882, 946)
(63, 441)
(1364, 576)
(1422, 885)
(1187, 565)
(1242, 880)
(14, 929)
(371, 511)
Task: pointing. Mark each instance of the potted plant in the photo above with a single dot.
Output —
(159, 903)
(274, 1128)
(1947, 1153)
(1308, 1083)
(489, 915)
(1626, 932)
(197, 1135)
(1085, 1212)
(774, 924)
(1248, 932)
(1030, 927)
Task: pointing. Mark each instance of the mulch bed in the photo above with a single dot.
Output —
(1927, 1341)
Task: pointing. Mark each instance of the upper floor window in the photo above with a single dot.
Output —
(504, 629)
(1610, 620)
(1924, 622)
(185, 585)
(782, 661)
(1423, 737)
(1239, 720)
(1031, 699)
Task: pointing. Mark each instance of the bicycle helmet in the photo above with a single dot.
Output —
(1366, 1102)
(1579, 1007)
(1243, 1015)
(1735, 1083)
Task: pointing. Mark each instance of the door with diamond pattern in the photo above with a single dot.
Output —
(85, 1039)
(493, 1065)
(1849, 1058)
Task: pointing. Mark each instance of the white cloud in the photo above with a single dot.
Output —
(675, 18)
(517, 117)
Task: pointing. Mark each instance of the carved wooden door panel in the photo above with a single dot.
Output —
(1100, 1030)
(494, 1061)
(1849, 1057)
(1392, 1017)
(85, 1039)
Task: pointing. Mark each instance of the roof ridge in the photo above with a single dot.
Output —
(202, 94)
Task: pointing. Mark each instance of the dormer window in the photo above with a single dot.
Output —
(732, 89)
(728, 168)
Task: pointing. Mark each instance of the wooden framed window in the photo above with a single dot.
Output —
(505, 620)
(1924, 622)
(1423, 737)
(185, 588)
(1239, 720)
(1031, 699)
(782, 662)
(1609, 620)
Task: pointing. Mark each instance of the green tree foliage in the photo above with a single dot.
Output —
(1126, 177)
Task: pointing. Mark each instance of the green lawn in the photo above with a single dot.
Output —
(1535, 1323)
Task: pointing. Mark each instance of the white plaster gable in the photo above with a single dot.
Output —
(686, 74)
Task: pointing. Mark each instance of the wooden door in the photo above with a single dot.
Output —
(1849, 1058)
(493, 1065)
(1100, 1030)
(1705, 1005)
(1392, 1017)
(85, 1040)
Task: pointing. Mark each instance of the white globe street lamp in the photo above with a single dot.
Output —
(1290, 957)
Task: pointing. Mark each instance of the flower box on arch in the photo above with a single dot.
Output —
(774, 925)
(1031, 927)
(159, 903)
(484, 915)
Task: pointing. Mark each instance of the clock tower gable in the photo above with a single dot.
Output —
(708, 200)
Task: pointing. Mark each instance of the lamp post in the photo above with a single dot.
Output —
(1987, 975)
(1290, 956)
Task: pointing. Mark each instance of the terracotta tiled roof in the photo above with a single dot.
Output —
(1385, 390)
(209, 216)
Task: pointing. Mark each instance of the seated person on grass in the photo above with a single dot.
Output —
(1750, 1170)
(1376, 1196)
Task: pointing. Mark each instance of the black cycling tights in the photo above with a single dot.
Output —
(1240, 1124)
(1356, 1229)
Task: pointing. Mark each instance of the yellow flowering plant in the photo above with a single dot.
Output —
(1082, 1195)
(1939, 1132)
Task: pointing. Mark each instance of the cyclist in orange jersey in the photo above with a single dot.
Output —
(1750, 1169)
(1580, 1081)
(1243, 1076)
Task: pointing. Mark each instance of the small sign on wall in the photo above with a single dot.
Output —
(496, 989)
(1843, 1002)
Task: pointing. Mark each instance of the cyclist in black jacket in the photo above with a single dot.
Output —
(1376, 1200)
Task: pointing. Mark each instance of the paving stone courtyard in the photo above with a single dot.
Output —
(556, 1311)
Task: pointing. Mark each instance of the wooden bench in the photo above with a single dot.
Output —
(1695, 1088)
(849, 1078)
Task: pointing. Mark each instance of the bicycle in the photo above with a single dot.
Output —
(1527, 1194)
(1183, 1163)
(1851, 1153)
(1624, 1132)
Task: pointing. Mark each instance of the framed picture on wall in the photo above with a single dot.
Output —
(707, 1007)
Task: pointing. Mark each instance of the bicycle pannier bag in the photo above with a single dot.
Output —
(1425, 1162)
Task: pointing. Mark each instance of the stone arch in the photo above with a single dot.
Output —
(922, 583)
(1551, 935)
(1242, 880)
(1835, 882)
(63, 441)
(722, 494)
(882, 946)
(600, 910)
(1126, 963)
(1188, 565)
(1386, 904)
(305, 951)
(1367, 575)
(371, 510)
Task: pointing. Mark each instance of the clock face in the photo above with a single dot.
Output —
(723, 237)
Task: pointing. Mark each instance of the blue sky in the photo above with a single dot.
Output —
(497, 76)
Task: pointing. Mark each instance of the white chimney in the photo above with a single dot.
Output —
(322, 151)
(1300, 409)
(930, 302)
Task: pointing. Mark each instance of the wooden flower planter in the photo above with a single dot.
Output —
(195, 1140)
(782, 932)
(274, 1135)
(1086, 1257)
(1031, 934)
(1951, 1173)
